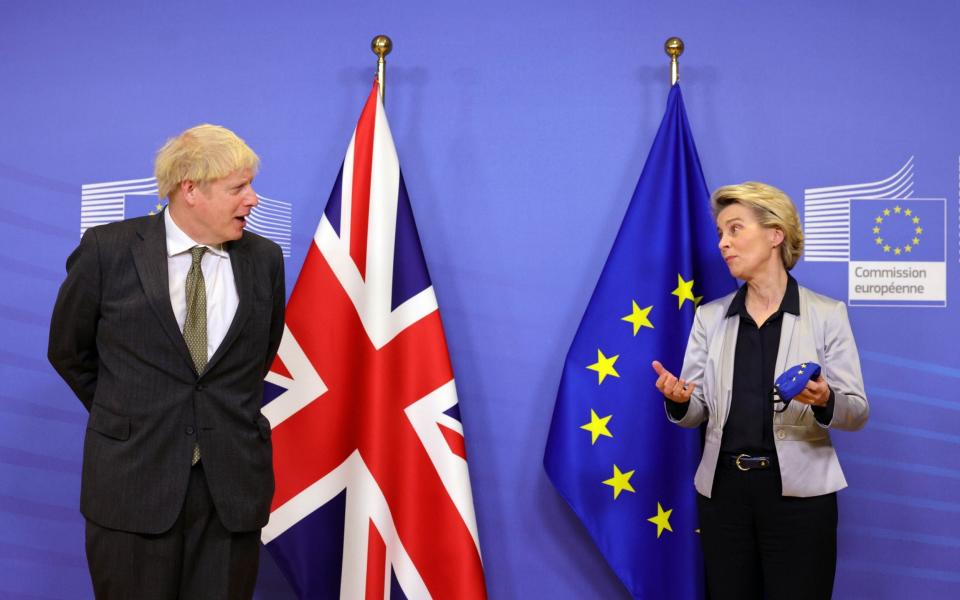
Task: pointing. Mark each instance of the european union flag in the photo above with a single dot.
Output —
(624, 469)
(897, 229)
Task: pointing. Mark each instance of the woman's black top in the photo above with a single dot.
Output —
(749, 426)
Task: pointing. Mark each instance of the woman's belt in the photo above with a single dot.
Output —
(746, 462)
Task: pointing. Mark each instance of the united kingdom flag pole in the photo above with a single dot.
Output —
(381, 46)
(373, 497)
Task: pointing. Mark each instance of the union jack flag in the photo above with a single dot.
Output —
(373, 495)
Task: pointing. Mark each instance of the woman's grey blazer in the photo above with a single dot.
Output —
(821, 333)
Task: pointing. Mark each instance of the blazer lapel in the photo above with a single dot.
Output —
(786, 358)
(728, 352)
(150, 259)
(786, 350)
(243, 279)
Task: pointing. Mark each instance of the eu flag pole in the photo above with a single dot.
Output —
(625, 470)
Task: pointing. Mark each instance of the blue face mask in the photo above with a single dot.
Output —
(791, 382)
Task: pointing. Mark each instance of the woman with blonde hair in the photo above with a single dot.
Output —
(768, 477)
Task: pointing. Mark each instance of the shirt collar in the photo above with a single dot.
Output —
(790, 302)
(179, 242)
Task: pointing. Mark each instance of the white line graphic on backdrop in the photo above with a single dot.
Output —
(826, 213)
(273, 219)
(102, 203)
(106, 202)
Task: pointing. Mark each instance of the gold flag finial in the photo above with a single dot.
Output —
(381, 46)
(674, 48)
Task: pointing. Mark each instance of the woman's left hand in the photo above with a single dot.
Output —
(817, 393)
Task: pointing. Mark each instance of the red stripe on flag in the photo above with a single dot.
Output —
(279, 368)
(362, 170)
(454, 440)
(376, 564)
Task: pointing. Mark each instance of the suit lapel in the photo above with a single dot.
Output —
(150, 259)
(243, 279)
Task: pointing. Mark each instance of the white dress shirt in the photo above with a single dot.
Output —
(222, 299)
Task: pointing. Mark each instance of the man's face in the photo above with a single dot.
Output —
(220, 208)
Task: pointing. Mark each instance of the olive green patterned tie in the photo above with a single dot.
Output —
(195, 325)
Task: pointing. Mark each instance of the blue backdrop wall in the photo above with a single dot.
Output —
(521, 129)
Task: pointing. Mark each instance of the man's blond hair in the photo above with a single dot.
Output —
(201, 154)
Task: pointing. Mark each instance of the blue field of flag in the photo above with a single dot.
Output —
(897, 229)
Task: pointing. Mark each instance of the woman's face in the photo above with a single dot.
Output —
(747, 247)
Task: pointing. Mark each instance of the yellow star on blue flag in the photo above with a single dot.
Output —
(604, 366)
(661, 519)
(684, 292)
(639, 317)
(597, 426)
(620, 482)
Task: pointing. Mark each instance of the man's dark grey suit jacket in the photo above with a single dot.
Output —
(114, 339)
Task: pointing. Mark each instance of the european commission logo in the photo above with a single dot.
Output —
(894, 243)
(111, 201)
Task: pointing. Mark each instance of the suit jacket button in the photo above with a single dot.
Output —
(189, 430)
(199, 387)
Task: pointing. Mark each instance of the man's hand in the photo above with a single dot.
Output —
(675, 390)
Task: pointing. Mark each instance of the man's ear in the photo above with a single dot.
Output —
(188, 191)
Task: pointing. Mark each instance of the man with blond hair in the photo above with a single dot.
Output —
(164, 328)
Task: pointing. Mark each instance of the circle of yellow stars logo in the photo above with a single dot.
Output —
(888, 215)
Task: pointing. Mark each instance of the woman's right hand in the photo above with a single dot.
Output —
(675, 390)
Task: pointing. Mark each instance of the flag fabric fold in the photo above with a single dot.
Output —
(625, 470)
(373, 495)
